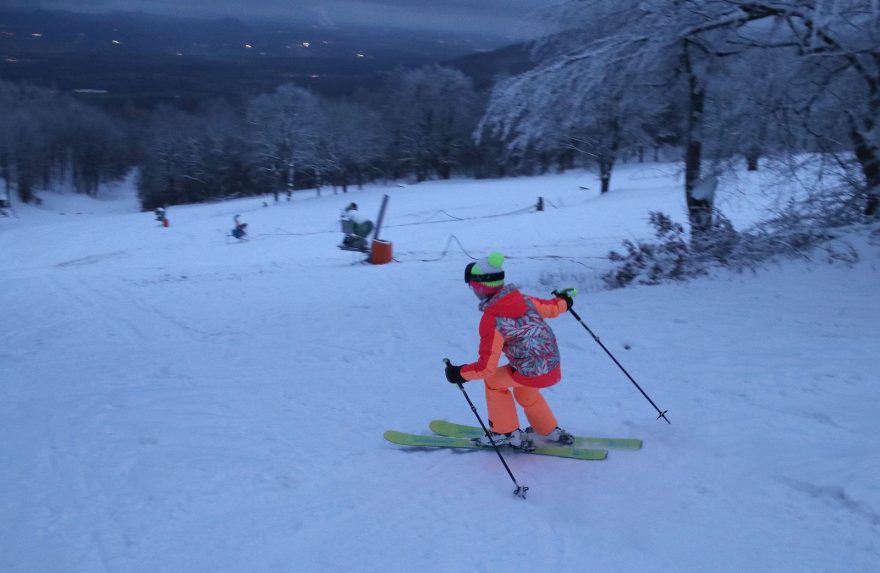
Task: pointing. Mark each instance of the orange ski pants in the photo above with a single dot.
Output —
(502, 410)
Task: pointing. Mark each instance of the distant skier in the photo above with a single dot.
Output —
(161, 216)
(240, 229)
(514, 324)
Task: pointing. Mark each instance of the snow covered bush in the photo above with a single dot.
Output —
(651, 262)
(799, 230)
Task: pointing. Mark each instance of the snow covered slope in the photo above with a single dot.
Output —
(174, 400)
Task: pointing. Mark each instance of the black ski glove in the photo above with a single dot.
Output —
(453, 374)
(566, 294)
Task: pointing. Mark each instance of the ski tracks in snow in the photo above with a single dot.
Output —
(114, 310)
(837, 496)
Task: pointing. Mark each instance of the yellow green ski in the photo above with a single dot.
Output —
(420, 441)
(444, 428)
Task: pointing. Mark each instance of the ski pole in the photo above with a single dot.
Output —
(596, 338)
(520, 490)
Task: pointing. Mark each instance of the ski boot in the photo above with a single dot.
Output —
(558, 435)
(515, 439)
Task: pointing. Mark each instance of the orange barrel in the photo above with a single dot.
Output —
(380, 252)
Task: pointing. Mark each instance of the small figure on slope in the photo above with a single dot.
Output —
(161, 216)
(240, 229)
(513, 324)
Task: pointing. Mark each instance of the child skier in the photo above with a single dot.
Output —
(240, 229)
(514, 324)
(161, 216)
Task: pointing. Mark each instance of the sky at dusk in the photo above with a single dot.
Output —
(492, 17)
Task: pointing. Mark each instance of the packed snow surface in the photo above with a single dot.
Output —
(175, 400)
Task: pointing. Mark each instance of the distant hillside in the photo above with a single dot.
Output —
(485, 67)
(145, 59)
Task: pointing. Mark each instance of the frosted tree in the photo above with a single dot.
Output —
(220, 152)
(167, 156)
(588, 112)
(748, 107)
(352, 140)
(31, 154)
(97, 148)
(836, 90)
(284, 129)
(27, 163)
(583, 97)
(47, 138)
(430, 113)
(195, 157)
(610, 70)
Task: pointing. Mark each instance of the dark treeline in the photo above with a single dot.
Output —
(417, 125)
(47, 138)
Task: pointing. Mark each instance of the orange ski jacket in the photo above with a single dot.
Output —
(513, 324)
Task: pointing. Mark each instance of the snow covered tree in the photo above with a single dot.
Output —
(748, 107)
(610, 70)
(284, 129)
(837, 85)
(583, 97)
(430, 113)
(351, 140)
(163, 168)
(28, 165)
(195, 157)
(47, 138)
(97, 147)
